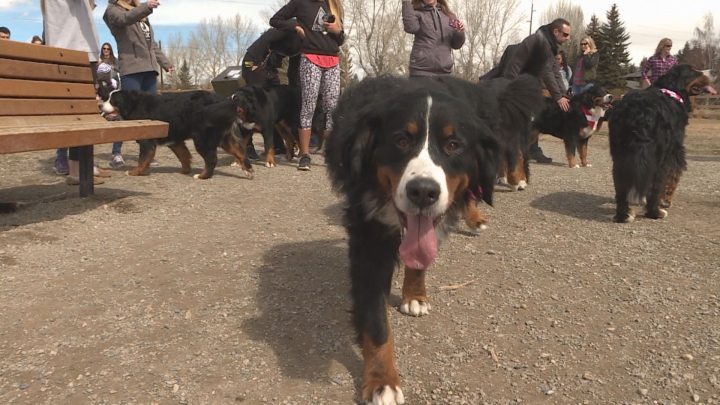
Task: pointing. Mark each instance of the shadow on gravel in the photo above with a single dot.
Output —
(703, 158)
(303, 300)
(38, 203)
(577, 205)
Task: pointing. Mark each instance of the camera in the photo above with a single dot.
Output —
(328, 18)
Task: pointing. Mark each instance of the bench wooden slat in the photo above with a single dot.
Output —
(10, 106)
(19, 69)
(44, 120)
(15, 139)
(39, 89)
(42, 53)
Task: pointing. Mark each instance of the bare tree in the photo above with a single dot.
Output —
(241, 34)
(376, 36)
(707, 42)
(490, 26)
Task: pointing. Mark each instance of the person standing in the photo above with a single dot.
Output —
(585, 66)
(69, 24)
(319, 25)
(535, 55)
(659, 63)
(436, 32)
(565, 71)
(139, 57)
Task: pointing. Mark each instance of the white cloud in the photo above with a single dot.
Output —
(9, 4)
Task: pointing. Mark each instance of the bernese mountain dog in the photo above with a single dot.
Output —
(647, 134)
(575, 126)
(209, 120)
(405, 154)
(267, 109)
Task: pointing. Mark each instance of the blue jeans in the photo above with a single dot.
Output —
(143, 81)
(581, 88)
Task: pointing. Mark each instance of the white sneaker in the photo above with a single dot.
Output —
(117, 162)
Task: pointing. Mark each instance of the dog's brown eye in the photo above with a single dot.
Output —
(451, 146)
(403, 141)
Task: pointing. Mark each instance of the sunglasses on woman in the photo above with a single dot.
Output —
(584, 43)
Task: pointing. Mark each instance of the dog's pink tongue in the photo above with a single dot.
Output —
(709, 89)
(419, 244)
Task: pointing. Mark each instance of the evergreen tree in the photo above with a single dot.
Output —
(593, 28)
(612, 43)
(184, 79)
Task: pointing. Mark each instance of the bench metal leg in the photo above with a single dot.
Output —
(86, 170)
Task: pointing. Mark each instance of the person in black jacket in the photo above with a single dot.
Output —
(319, 25)
(535, 55)
(264, 56)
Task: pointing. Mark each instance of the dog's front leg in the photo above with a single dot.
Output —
(147, 154)
(373, 253)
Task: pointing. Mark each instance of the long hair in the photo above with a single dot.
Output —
(591, 44)
(661, 45)
(417, 4)
(111, 59)
(336, 9)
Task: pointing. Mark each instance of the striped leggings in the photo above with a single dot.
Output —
(313, 80)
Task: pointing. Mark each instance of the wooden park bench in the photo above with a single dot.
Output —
(47, 101)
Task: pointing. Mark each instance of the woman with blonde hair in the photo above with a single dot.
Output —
(319, 25)
(585, 66)
(436, 31)
(659, 63)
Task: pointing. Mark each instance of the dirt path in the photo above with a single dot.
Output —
(165, 289)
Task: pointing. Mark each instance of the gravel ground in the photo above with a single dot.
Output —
(163, 289)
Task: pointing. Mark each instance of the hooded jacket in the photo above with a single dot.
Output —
(431, 53)
(136, 47)
(535, 55)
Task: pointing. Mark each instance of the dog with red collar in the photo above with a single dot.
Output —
(575, 126)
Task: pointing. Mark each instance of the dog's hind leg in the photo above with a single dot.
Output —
(623, 185)
(670, 186)
(183, 155)
(147, 154)
(517, 177)
(652, 207)
(286, 134)
(570, 154)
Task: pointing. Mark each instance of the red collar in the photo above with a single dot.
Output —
(672, 95)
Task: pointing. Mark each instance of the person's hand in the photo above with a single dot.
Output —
(332, 27)
(646, 83)
(564, 104)
(153, 4)
(300, 31)
(170, 69)
(457, 25)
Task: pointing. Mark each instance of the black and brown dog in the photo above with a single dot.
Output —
(575, 126)
(208, 119)
(269, 109)
(647, 135)
(405, 154)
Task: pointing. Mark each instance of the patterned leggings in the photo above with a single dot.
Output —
(313, 80)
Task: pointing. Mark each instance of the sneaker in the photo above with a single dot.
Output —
(304, 162)
(98, 172)
(61, 167)
(154, 163)
(117, 162)
(540, 157)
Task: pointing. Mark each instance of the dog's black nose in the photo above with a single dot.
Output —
(423, 192)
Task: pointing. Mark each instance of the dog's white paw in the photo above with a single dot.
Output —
(269, 164)
(577, 166)
(587, 165)
(522, 185)
(235, 164)
(415, 308)
(388, 396)
(196, 176)
(663, 213)
(502, 181)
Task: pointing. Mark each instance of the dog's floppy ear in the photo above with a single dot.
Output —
(348, 151)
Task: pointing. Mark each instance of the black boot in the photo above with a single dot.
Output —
(537, 155)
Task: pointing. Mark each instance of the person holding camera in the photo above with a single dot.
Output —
(437, 31)
(319, 25)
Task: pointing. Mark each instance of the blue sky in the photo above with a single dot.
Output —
(646, 22)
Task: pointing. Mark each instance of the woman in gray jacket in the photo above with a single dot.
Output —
(437, 32)
(139, 57)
